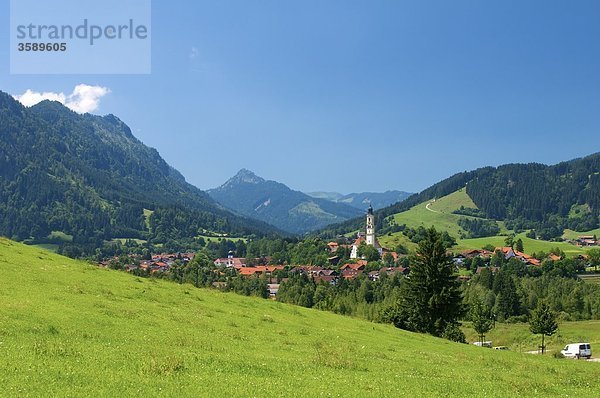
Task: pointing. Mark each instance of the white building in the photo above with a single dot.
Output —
(369, 238)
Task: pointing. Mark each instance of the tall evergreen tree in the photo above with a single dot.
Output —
(431, 300)
(507, 300)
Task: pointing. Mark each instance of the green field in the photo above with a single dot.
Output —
(590, 278)
(530, 245)
(47, 246)
(217, 239)
(570, 234)
(439, 213)
(518, 338)
(71, 329)
(147, 214)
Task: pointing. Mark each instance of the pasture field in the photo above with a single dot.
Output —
(530, 245)
(68, 328)
(570, 234)
(518, 337)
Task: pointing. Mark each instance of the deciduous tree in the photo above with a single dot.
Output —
(543, 321)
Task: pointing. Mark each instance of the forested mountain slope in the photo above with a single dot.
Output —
(88, 177)
(525, 196)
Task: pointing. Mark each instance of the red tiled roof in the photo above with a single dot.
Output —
(357, 266)
(359, 240)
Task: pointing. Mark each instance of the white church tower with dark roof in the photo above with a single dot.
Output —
(370, 237)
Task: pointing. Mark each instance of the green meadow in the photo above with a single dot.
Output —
(439, 213)
(68, 328)
(518, 337)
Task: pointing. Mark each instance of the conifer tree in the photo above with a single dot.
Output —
(431, 301)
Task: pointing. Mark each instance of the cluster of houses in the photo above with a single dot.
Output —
(507, 252)
(586, 240)
(157, 263)
(318, 274)
(348, 271)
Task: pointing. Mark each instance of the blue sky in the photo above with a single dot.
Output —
(355, 96)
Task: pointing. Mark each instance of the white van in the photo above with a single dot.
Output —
(577, 350)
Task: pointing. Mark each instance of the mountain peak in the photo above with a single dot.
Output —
(245, 176)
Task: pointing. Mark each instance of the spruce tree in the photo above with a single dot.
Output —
(432, 301)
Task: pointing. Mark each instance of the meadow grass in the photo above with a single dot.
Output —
(439, 213)
(530, 245)
(590, 278)
(570, 234)
(68, 328)
(518, 337)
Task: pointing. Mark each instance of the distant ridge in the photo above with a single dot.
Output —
(275, 203)
(362, 200)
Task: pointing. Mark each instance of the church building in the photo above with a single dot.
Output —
(369, 238)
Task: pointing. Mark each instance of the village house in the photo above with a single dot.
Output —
(509, 253)
(587, 240)
(259, 270)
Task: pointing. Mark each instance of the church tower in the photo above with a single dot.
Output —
(370, 237)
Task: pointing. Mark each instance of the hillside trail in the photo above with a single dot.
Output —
(429, 208)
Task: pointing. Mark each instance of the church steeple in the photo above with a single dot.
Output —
(370, 237)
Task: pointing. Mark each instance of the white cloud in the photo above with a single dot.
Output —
(84, 98)
(30, 98)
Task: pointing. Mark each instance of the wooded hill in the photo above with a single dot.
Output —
(87, 178)
(547, 199)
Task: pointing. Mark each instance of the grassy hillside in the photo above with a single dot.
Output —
(570, 234)
(439, 213)
(71, 329)
(530, 245)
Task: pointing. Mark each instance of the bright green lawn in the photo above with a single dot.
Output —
(71, 329)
